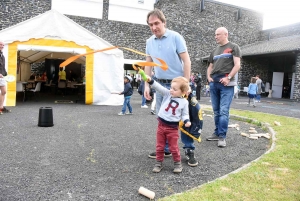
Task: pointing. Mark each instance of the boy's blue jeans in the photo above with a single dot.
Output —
(186, 140)
(126, 103)
(143, 100)
(221, 97)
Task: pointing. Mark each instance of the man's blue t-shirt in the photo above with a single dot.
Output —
(167, 48)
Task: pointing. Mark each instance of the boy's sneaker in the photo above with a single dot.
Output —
(189, 154)
(153, 112)
(144, 106)
(157, 167)
(128, 113)
(153, 155)
(222, 142)
(177, 167)
(213, 137)
(121, 113)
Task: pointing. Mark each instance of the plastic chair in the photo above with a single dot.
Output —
(49, 86)
(37, 89)
(62, 86)
(20, 88)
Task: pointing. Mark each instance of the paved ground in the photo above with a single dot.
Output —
(93, 154)
(283, 107)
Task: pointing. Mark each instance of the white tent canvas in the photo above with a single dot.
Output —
(54, 32)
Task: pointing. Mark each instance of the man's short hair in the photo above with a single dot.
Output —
(158, 13)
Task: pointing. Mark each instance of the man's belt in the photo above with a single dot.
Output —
(164, 81)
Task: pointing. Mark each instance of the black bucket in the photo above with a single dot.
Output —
(45, 117)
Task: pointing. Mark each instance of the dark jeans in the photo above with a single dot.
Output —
(221, 97)
(198, 92)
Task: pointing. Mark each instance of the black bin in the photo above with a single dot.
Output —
(45, 117)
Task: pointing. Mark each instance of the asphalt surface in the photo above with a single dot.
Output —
(91, 153)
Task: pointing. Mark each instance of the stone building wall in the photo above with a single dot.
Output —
(251, 67)
(296, 92)
(183, 16)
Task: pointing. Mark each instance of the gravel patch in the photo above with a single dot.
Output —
(91, 153)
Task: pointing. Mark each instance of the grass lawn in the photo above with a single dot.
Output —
(276, 176)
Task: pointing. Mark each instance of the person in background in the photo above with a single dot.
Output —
(144, 100)
(174, 108)
(127, 96)
(173, 51)
(44, 76)
(32, 76)
(138, 80)
(236, 92)
(259, 88)
(207, 89)
(224, 63)
(252, 90)
(72, 76)
(62, 75)
(133, 80)
(2, 81)
(62, 81)
(197, 81)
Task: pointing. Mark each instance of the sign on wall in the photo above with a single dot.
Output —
(132, 11)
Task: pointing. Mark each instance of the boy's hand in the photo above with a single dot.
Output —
(187, 124)
(145, 77)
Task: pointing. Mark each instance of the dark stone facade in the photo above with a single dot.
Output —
(183, 16)
(296, 95)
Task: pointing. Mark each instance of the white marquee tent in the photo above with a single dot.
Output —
(52, 33)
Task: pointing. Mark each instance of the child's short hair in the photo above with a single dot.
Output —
(128, 78)
(253, 79)
(184, 83)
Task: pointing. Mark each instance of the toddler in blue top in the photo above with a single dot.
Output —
(252, 90)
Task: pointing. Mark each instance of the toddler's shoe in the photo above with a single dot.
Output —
(144, 106)
(121, 113)
(177, 167)
(189, 154)
(128, 113)
(157, 167)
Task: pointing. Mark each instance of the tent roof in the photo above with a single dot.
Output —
(53, 25)
(32, 56)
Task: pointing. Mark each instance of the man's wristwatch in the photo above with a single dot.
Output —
(229, 77)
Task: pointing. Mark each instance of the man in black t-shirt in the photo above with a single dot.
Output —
(224, 63)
